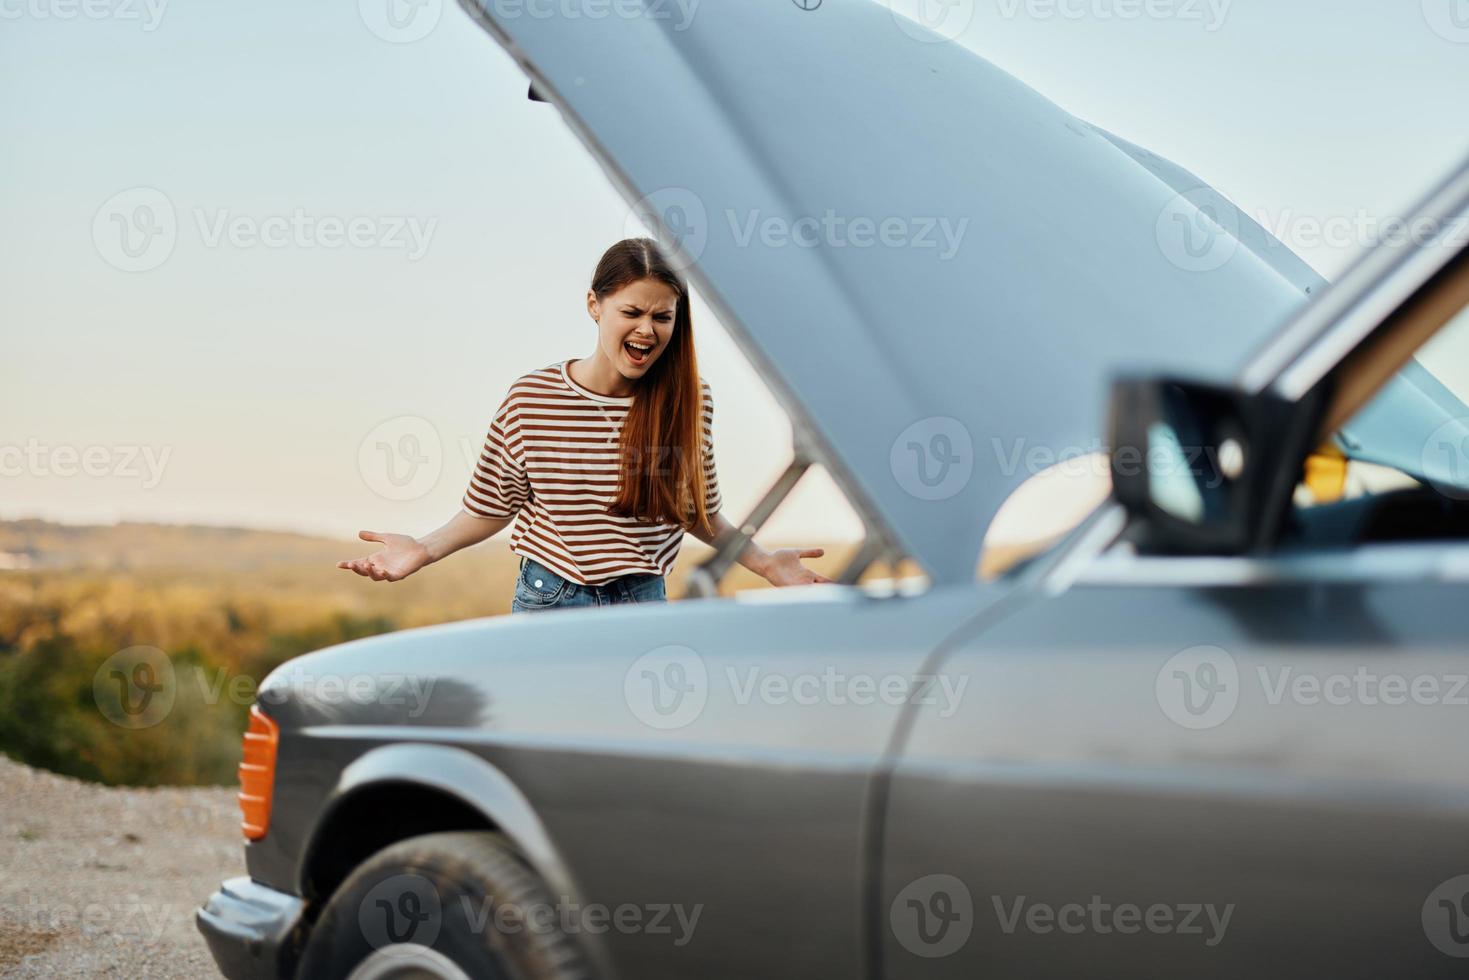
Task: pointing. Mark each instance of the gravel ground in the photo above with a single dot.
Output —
(96, 881)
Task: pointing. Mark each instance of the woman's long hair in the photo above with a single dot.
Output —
(662, 458)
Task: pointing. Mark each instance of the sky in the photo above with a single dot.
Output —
(374, 232)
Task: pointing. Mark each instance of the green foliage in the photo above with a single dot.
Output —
(225, 607)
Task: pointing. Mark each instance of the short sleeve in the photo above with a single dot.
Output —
(712, 498)
(499, 486)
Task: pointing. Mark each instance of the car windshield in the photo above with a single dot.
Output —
(1418, 424)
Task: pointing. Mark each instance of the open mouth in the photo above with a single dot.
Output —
(638, 353)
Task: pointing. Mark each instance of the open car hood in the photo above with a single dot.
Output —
(936, 269)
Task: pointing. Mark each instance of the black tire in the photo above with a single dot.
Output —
(464, 898)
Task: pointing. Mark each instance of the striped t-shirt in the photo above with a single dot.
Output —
(551, 460)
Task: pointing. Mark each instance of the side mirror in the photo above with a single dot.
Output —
(1204, 468)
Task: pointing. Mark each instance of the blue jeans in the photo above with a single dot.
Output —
(537, 588)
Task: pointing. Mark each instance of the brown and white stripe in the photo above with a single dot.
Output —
(551, 461)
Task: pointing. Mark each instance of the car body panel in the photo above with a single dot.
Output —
(1084, 765)
(920, 372)
(746, 807)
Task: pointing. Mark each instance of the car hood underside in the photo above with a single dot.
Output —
(936, 269)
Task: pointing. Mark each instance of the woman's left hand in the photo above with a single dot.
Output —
(784, 567)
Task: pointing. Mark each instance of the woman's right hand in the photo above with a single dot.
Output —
(400, 557)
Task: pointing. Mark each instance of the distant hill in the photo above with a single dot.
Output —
(224, 606)
(476, 582)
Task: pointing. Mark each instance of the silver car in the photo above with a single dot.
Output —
(1212, 730)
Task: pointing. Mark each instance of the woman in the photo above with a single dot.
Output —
(600, 463)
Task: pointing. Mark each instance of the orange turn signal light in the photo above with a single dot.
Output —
(257, 774)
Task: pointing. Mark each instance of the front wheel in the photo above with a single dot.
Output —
(454, 905)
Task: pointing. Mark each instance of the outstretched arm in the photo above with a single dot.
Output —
(402, 555)
(780, 567)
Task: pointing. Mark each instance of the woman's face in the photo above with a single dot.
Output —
(634, 324)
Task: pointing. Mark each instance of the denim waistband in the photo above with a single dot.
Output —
(632, 578)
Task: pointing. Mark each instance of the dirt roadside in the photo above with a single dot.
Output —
(96, 881)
